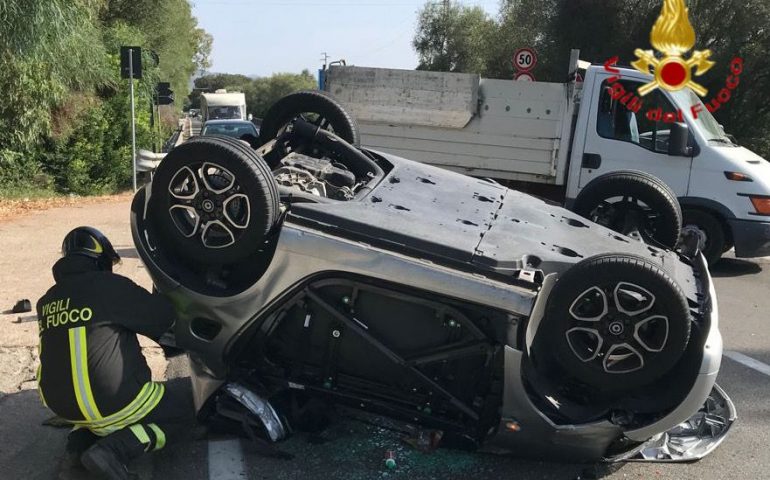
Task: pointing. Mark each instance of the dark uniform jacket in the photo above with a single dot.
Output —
(91, 362)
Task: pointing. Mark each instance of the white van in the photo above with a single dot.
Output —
(556, 139)
(223, 105)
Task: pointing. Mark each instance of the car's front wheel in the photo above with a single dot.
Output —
(615, 323)
(213, 201)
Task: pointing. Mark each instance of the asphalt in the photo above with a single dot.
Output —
(350, 449)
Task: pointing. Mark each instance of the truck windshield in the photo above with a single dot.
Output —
(706, 123)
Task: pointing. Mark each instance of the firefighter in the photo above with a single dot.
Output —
(92, 372)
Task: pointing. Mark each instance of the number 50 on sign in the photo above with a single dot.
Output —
(524, 59)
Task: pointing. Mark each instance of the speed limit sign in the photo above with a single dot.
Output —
(524, 77)
(524, 59)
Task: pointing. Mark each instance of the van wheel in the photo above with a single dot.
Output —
(213, 201)
(615, 323)
(710, 233)
(633, 203)
(312, 106)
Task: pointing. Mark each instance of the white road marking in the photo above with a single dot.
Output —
(748, 361)
(226, 460)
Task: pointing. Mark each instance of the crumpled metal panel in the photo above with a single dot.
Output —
(260, 408)
(692, 439)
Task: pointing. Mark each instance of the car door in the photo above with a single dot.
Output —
(632, 139)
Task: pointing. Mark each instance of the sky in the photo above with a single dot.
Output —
(261, 37)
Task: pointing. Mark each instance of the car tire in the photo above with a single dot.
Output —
(216, 215)
(710, 232)
(248, 152)
(285, 110)
(655, 203)
(615, 323)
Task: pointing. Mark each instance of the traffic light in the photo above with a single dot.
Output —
(131, 59)
(165, 94)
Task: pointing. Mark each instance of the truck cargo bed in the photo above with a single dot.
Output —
(488, 128)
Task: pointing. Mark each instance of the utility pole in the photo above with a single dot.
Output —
(324, 58)
(131, 68)
(133, 113)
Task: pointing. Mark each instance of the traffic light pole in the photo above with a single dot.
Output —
(133, 115)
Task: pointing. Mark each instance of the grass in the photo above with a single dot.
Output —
(26, 193)
(18, 201)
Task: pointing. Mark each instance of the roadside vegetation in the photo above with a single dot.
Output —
(260, 92)
(64, 119)
(461, 38)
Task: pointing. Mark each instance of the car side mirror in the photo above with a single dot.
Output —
(679, 140)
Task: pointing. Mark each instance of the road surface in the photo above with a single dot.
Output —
(349, 450)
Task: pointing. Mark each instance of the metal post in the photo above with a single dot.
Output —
(133, 116)
(159, 128)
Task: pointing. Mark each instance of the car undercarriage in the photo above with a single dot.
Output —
(311, 271)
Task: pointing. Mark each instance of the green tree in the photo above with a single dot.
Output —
(170, 30)
(453, 37)
(602, 29)
(35, 37)
(263, 92)
(260, 92)
(215, 81)
(64, 120)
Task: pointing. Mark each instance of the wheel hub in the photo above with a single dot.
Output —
(617, 328)
(207, 203)
(699, 232)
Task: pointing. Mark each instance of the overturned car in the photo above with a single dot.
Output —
(311, 268)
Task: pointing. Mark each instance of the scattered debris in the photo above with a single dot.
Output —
(425, 441)
(390, 460)
(25, 319)
(22, 306)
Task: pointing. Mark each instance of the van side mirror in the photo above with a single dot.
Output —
(679, 140)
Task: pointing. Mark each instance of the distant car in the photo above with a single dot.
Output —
(230, 128)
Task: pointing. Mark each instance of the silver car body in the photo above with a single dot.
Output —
(305, 247)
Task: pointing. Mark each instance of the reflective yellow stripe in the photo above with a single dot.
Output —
(90, 403)
(40, 373)
(148, 391)
(80, 378)
(160, 437)
(40, 387)
(134, 417)
(141, 435)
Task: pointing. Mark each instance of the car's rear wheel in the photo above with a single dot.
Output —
(614, 322)
(317, 108)
(213, 201)
(633, 203)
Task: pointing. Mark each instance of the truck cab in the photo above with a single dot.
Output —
(723, 188)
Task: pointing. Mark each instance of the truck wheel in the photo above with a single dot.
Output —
(312, 106)
(213, 202)
(711, 235)
(633, 203)
(614, 322)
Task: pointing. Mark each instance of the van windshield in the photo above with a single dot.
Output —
(706, 123)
